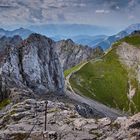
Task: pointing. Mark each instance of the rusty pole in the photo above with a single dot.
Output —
(46, 115)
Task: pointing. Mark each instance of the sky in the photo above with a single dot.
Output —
(115, 14)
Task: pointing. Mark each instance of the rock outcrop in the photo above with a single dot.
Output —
(71, 54)
(25, 120)
(31, 64)
(130, 56)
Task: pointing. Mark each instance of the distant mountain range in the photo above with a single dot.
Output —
(80, 34)
(82, 39)
(69, 30)
(103, 41)
(88, 40)
(85, 34)
(24, 33)
(107, 42)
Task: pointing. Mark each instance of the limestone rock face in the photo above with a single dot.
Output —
(31, 63)
(130, 56)
(40, 64)
(71, 54)
(25, 120)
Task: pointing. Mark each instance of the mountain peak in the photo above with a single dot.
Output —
(132, 28)
(38, 37)
(70, 41)
(22, 32)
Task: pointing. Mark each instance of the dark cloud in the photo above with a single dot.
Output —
(36, 13)
(6, 6)
(122, 4)
(61, 17)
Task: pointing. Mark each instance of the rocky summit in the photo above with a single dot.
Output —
(26, 121)
(31, 65)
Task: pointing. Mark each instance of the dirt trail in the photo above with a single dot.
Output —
(67, 82)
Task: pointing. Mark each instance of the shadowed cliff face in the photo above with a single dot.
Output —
(71, 54)
(30, 64)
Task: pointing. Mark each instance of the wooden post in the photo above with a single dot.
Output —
(46, 115)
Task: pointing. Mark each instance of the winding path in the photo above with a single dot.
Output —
(108, 112)
(67, 82)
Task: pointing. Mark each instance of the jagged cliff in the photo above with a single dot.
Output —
(71, 54)
(31, 64)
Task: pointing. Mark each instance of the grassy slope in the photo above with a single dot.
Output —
(67, 72)
(107, 81)
(133, 40)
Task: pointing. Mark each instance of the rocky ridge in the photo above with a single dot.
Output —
(25, 120)
(30, 65)
(71, 54)
(130, 57)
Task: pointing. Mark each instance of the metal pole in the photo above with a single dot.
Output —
(46, 115)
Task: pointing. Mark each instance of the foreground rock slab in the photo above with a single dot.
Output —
(25, 120)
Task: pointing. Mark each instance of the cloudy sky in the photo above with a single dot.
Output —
(115, 14)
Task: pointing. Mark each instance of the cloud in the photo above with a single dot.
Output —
(101, 11)
(6, 6)
(130, 17)
(24, 12)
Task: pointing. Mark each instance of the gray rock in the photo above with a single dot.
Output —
(71, 54)
(18, 116)
(32, 65)
(86, 111)
(129, 52)
(63, 126)
(30, 101)
(52, 135)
